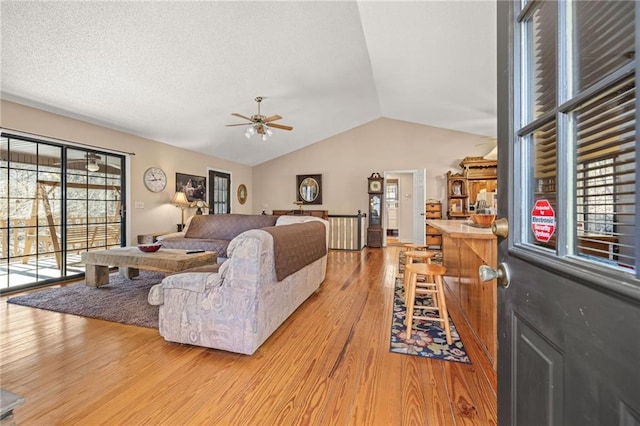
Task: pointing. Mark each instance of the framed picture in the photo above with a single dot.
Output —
(309, 189)
(194, 187)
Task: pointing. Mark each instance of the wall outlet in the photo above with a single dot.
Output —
(139, 204)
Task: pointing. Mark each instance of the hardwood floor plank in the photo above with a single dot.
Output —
(380, 382)
(329, 363)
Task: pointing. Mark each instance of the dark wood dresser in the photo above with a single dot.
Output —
(324, 214)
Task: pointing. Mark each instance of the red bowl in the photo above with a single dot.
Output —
(149, 248)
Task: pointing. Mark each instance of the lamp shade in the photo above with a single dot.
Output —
(180, 199)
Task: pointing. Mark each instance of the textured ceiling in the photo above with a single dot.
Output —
(174, 71)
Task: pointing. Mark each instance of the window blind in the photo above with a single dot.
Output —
(605, 174)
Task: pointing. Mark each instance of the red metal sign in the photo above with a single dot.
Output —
(543, 221)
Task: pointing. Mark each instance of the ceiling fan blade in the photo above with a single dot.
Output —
(241, 116)
(272, 118)
(279, 126)
(241, 124)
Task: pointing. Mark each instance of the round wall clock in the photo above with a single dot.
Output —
(155, 179)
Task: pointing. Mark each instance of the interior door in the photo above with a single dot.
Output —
(569, 321)
(419, 177)
(219, 192)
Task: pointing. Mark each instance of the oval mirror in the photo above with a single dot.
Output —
(309, 189)
(242, 193)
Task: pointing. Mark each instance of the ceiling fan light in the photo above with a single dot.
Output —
(259, 124)
(93, 166)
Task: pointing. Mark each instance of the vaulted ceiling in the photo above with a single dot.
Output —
(174, 71)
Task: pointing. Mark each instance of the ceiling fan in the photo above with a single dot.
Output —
(260, 124)
(91, 162)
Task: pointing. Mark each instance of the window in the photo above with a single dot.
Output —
(577, 128)
(595, 203)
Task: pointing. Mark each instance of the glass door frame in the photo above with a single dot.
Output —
(102, 231)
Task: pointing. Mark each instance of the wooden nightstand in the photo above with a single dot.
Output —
(150, 238)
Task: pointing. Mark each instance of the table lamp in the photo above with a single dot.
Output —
(200, 204)
(180, 200)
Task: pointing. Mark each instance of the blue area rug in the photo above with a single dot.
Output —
(427, 339)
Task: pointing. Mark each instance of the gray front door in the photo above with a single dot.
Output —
(569, 321)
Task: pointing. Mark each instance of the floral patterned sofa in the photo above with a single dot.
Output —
(269, 272)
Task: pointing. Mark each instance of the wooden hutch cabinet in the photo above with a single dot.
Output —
(482, 181)
(457, 196)
(476, 185)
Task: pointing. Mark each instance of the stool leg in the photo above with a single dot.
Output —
(429, 277)
(410, 296)
(442, 308)
(431, 284)
(408, 260)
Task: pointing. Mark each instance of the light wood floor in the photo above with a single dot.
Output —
(329, 363)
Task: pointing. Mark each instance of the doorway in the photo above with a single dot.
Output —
(219, 192)
(404, 196)
(391, 207)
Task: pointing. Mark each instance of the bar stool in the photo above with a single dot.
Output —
(435, 290)
(411, 246)
(410, 256)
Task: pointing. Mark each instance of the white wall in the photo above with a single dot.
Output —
(347, 159)
(158, 215)
(344, 160)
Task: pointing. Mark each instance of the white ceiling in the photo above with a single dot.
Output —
(174, 71)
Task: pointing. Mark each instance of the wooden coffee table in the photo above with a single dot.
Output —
(130, 260)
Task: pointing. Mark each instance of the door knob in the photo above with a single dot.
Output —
(487, 273)
(500, 227)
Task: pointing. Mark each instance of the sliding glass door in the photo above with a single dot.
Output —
(56, 201)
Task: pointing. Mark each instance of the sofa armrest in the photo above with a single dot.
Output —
(180, 234)
(194, 282)
(171, 235)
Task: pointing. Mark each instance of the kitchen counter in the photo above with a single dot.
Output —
(464, 249)
(461, 229)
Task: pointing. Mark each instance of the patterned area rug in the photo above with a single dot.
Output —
(122, 300)
(427, 338)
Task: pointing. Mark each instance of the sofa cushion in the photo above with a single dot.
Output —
(296, 246)
(219, 246)
(226, 226)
